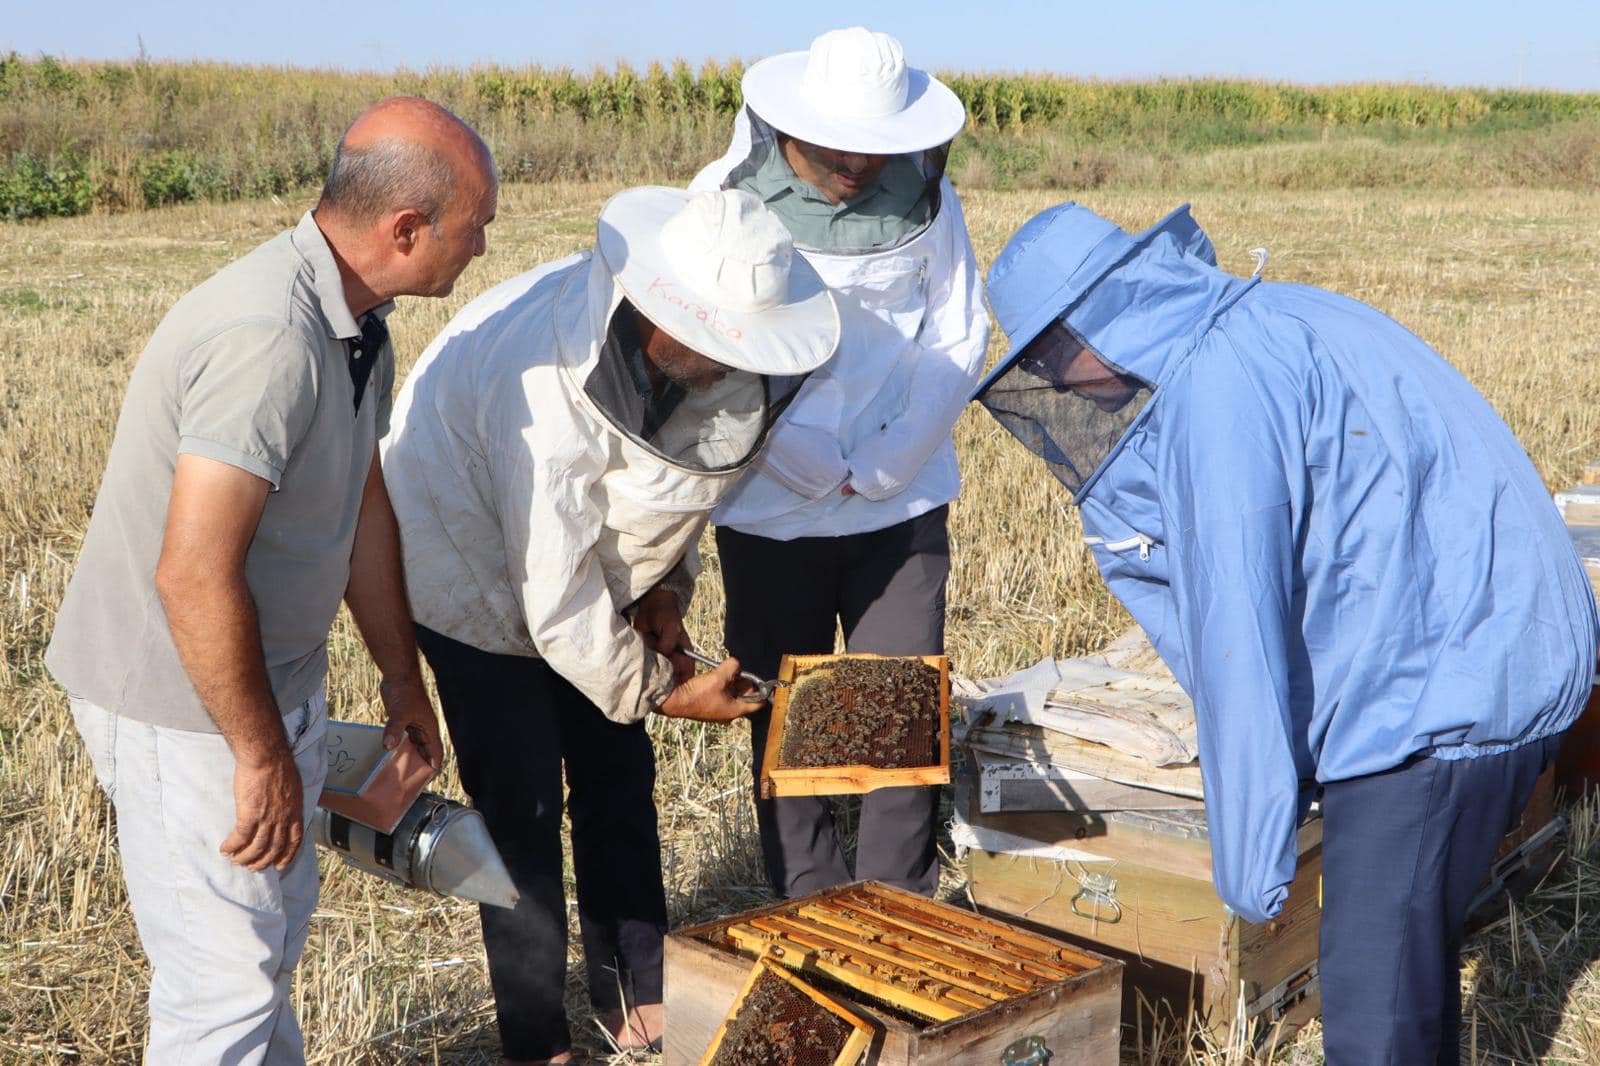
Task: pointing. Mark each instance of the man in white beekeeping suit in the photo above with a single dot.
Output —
(843, 519)
(556, 454)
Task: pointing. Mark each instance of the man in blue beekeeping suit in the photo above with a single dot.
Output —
(1346, 559)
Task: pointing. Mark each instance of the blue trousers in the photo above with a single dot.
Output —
(1403, 853)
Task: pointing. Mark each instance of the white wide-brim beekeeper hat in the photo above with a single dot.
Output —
(718, 272)
(852, 91)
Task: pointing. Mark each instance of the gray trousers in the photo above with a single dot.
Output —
(886, 589)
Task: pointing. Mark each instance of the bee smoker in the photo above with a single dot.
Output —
(440, 846)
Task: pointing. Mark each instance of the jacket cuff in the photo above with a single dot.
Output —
(680, 581)
(656, 684)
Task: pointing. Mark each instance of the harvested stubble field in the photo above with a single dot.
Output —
(1502, 280)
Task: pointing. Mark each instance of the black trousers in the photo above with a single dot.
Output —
(514, 723)
(1403, 853)
(886, 589)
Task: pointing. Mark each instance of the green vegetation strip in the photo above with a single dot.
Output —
(80, 136)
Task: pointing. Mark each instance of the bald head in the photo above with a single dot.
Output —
(407, 199)
(402, 153)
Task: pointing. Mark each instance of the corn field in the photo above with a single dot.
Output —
(77, 137)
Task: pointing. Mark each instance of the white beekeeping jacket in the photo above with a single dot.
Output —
(530, 515)
(878, 415)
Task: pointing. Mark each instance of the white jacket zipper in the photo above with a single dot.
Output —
(1139, 540)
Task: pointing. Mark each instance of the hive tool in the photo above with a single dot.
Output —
(763, 689)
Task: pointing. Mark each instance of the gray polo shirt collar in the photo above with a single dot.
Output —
(325, 281)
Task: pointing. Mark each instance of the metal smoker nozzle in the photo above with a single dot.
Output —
(440, 846)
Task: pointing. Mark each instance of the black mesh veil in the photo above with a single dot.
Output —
(1065, 403)
(715, 420)
(928, 166)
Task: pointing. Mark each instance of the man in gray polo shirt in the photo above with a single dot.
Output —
(241, 502)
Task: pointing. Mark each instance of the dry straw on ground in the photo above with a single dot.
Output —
(1503, 281)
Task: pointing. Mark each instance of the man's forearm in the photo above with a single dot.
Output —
(212, 517)
(214, 627)
(200, 577)
(376, 594)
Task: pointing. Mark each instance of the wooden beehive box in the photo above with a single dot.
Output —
(1578, 766)
(1582, 511)
(780, 780)
(807, 1013)
(936, 983)
(1154, 907)
(1002, 783)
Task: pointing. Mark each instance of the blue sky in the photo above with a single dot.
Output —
(1553, 43)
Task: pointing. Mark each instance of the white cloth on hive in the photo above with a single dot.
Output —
(965, 835)
(1144, 715)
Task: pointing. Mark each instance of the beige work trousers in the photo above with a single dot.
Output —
(223, 941)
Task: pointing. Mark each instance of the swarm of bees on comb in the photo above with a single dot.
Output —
(776, 1025)
(863, 712)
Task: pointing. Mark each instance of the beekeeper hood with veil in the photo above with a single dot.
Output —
(1334, 542)
(847, 144)
(558, 447)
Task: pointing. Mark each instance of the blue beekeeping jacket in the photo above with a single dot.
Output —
(1330, 537)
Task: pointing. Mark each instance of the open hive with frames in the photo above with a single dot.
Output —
(934, 983)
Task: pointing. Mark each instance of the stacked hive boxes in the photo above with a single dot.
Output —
(1109, 848)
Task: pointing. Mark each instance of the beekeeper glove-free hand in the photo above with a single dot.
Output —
(658, 616)
(710, 697)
